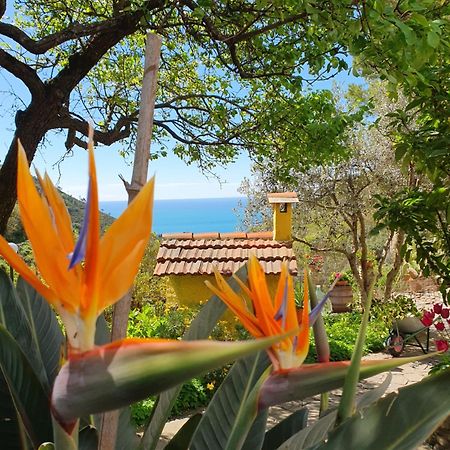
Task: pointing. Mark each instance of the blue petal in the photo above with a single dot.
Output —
(80, 248)
(295, 343)
(281, 313)
(314, 314)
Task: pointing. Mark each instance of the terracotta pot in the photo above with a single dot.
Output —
(341, 298)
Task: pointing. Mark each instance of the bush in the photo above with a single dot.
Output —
(150, 320)
(396, 308)
(342, 330)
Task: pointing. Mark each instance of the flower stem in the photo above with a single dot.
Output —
(347, 403)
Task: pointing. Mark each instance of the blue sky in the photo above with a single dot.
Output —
(174, 178)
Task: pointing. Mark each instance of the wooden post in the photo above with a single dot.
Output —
(139, 178)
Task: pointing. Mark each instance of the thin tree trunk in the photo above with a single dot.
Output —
(399, 239)
(31, 126)
(110, 420)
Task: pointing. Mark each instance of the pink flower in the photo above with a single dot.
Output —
(437, 307)
(439, 326)
(441, 345)
(445, 313)
(427, 318)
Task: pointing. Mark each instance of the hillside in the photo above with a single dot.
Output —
(15, 232)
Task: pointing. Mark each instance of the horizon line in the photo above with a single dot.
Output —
(182, 198)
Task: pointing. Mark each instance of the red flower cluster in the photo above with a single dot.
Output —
(441, 345)
(315, 262)
(439, 316)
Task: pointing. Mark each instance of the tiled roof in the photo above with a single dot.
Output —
(197, 254)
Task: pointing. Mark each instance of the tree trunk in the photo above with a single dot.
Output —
(31, 126)
(399, 239)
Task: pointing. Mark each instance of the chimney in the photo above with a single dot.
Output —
(282, 203)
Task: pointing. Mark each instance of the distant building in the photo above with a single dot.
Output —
(189, 258)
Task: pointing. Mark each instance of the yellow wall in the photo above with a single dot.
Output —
(191, 289)
(282, 223)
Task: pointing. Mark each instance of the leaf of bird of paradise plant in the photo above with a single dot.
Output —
(44, 328)
(200, 328)
(123, 372)
(184, 435)
(29, 396)
(312, 379)
(219, 418)
(400, 420)
(318, 431)
(14, 319)
(283, 430)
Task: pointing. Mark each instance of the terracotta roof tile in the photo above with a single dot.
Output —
(206, 236)
(199, 256)
(239, 235)
(177, 236)
(260, 235)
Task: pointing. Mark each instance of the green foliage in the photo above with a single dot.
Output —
(424, 216)
(149, 289)
(342, 330)
(395, 308)
(442, 365)
(172, 323)
(76, 208)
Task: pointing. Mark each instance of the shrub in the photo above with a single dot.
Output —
(342, 330)
(149, 320)
(396, 308)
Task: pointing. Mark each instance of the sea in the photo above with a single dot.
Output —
(197, 215)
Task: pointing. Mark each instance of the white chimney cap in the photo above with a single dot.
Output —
(282, 197)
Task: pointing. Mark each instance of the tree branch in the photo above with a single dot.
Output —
(2, 8)
(321, 249)
(121, 130)
(41, 46)
(23, 72)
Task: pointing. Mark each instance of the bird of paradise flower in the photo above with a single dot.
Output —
(80, 279)
(270, 317)
(79, 291)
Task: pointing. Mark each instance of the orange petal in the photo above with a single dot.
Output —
(264, 307)
(236, 304)
(61, 215)
(89, 304)
(18, 264)
(49, 253)
(131, 229)
(303, 336)
(291, 309)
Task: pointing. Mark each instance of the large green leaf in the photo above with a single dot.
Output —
(200, 328)
(121, 373)
(183, 436)
(255, 436)
(283, 430)
(88, 439)
(44, 327)
(398, 421)
(30, 398)
(9, 426)
(312, 379)
(15, 320)
(318, 431)
(220, 417)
